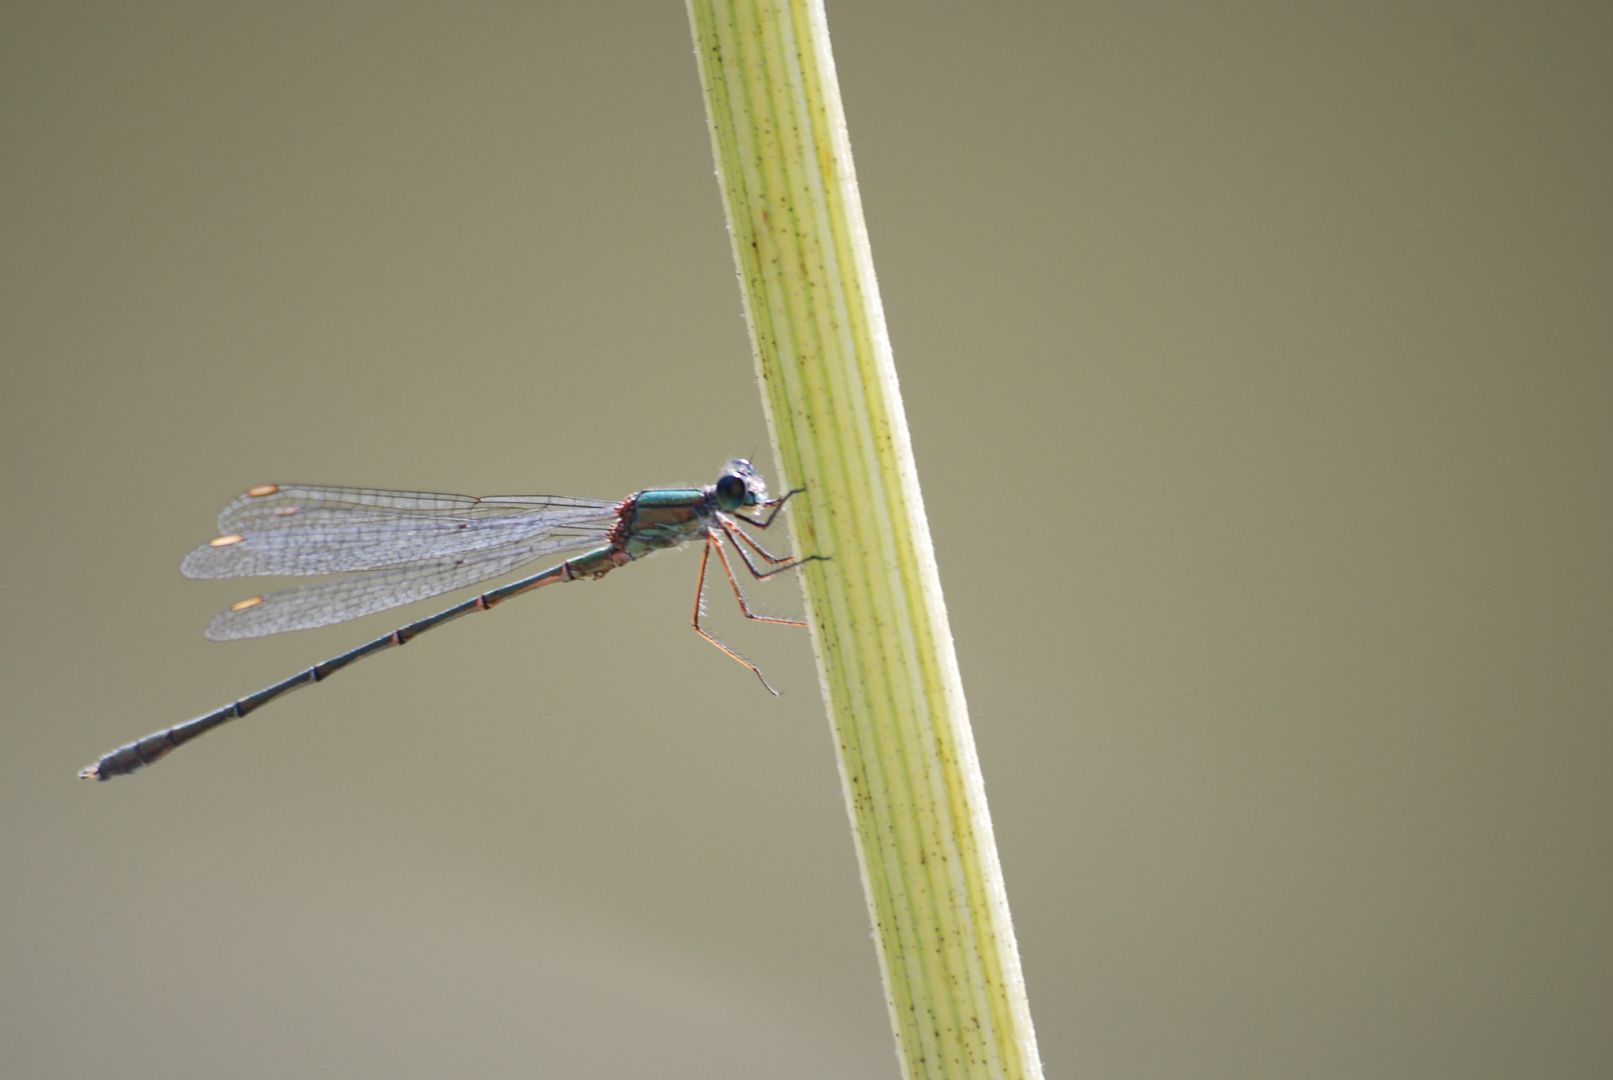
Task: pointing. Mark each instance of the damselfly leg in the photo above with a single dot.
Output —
(774, 505)
(740, 541)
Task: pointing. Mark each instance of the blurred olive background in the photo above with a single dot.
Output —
(1258, 362)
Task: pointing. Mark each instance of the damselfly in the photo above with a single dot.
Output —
(405, 546)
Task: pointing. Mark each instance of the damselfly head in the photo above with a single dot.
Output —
(739, 486)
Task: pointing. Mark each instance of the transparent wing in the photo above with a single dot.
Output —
(301, 529)
(273, 505)
(351, 597)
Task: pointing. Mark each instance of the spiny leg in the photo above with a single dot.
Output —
(776, 505)
(779, 564)
(699, 597)
(738, 535)
(715, 541)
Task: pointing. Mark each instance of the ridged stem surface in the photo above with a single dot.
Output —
(879, 625)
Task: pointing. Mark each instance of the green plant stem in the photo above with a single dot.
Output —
(879, 625)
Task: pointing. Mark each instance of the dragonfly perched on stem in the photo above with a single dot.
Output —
(406, 546)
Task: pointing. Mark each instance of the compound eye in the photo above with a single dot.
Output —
(732, 492)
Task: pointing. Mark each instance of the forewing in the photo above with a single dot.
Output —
(272, 505)
(351, 597)
(300, 529)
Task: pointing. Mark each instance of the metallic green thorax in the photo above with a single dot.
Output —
(666, 517)
(648, 521)
(662, 519)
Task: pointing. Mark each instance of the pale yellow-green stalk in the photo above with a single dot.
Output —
(879, 625)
